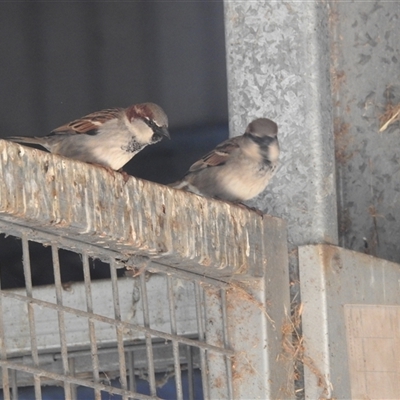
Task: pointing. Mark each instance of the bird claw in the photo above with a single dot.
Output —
(125, 175)
(108, 169)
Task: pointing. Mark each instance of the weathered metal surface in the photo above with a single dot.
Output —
(248, 316)
(319, 67)
(278, 64)
(278, 67)
(89, 204)
(366, 76)
(333, 279)
(84, 208)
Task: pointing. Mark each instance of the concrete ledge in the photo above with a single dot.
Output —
(88, 204)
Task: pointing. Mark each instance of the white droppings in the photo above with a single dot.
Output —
(247, 244)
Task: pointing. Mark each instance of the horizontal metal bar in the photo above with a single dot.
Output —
(121, 324)
(105, 255)
(40, 236)
(110, 350)
(74, 380)
(158, 267)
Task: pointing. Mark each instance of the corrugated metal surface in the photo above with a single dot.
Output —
(278, 67)
(324, 71)
(366, 72)
(320, 68)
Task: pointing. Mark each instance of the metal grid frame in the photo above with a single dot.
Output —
(230, 262)
(121, 326)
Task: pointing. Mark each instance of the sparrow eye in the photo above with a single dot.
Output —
(150, 123)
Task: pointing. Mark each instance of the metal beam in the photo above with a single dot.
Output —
(91, 206)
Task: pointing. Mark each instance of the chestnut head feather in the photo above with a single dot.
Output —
(153, 115)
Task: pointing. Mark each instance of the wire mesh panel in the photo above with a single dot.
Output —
(132, 289)
(107, 335)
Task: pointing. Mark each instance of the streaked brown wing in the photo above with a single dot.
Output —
(89, 122)
(218, 156)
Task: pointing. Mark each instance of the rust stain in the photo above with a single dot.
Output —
(218, 382)
(338, 78)
(342, 141)
(326, 254)
(345, 221)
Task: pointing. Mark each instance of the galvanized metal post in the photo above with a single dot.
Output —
(366, 72)
(278, 62)
(278, 66)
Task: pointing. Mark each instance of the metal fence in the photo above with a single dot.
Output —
(199, 310)
(88, 320)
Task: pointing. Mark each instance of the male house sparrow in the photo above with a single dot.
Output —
(109, 137)
(239, 168)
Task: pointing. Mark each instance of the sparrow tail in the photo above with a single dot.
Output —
(185, 185)
(27, 139)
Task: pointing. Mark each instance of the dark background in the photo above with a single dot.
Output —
(62, 60)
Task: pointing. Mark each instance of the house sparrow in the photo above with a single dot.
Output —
(239, 168)
(109, 137)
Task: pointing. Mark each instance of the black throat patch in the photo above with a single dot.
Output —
(264, 143)
(133, 146)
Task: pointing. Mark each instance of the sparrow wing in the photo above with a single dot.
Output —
(218, 156)
(89, 123)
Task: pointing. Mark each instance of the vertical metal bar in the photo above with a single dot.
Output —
(228, 361)
(3, 353)
(6, 384)
(92, 329)
(175, 344)
(149, 345)
(26, 260)
(119, 329)
(61, 319)
(71, 364)
(131, 371)
(14, 386)
(189, 358)
(200, 328)
(217, 380)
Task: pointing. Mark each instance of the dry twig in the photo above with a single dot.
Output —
(391, 115)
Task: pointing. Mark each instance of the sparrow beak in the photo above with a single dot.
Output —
(163, 131)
